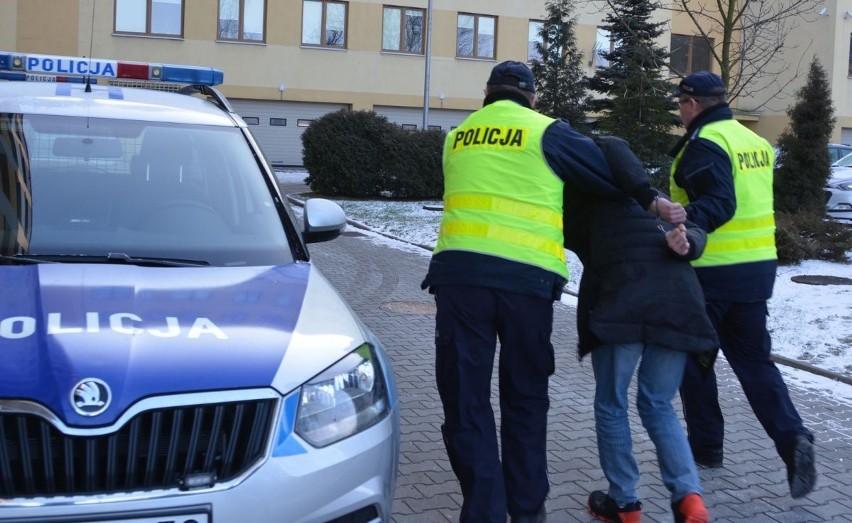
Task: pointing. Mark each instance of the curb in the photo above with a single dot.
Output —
(801, 365)
(782, 360)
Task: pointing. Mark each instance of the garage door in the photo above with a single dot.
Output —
(412, 117)
(278, 125)
(846, 135)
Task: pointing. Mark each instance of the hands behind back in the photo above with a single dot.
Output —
(677, 240)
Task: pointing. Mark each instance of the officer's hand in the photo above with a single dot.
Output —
(673, 213)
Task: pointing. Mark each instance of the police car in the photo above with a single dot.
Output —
(168, 352)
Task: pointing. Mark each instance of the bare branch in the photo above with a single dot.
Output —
(753, 53)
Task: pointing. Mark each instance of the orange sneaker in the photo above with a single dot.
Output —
(690, 509)
(605, 508)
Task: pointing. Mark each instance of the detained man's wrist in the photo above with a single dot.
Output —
(646, 196)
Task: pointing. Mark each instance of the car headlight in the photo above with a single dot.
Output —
(343, 400)
(844, 186)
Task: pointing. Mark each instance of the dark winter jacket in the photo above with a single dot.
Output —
(634, 288)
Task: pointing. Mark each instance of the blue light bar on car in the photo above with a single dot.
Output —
(51, 68)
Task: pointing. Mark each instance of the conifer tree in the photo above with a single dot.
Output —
(560, 82)
(804, 165)
(635, 100)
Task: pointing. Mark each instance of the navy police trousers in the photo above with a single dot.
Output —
(469, 322)
(746, 344)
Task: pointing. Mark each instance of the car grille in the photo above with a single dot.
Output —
(156, 449)
(827, 196)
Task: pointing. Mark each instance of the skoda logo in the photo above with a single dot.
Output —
(90, 397)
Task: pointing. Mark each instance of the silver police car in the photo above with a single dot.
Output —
(168, 352)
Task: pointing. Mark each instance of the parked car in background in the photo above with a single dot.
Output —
(844, 162)
(836, 151)
(838, 190)
(838, 197)
(168, 351)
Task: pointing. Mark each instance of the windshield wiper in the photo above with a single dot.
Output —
(113, 257)
(23, 259)
(120, 257)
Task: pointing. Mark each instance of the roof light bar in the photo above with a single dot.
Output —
(51, 68)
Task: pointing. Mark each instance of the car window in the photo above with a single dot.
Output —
(837, 152)
(845, 161)
(90, 186)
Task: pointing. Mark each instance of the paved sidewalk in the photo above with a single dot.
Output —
(383, 285)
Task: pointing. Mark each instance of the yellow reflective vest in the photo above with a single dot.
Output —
(750, 234)
(500, 196)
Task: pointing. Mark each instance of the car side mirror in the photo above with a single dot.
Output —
(324, 220)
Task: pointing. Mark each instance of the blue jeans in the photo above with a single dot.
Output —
(659, 376)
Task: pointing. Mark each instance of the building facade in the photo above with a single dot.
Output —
(287, 62)
(826, 33)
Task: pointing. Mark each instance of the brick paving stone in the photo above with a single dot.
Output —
(752, 486)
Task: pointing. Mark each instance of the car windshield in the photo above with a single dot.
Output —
(128, 190)
(846, 161)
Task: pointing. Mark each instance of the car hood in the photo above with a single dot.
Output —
(145, 332)
(840, 172)
(844, 176)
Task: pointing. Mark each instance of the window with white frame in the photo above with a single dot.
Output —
(476, 36)
(324, 23)
(850, 55)
(149, 17)
(690, 54)
(403, 29)
(242, 20)
(603, 45)
(534, 40)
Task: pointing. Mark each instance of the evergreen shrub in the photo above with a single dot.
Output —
(361, 154)
(806, 167)
(342, 155)
(809, 236)
(412, 165)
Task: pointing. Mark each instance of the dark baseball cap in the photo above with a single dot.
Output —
(702, 83)
(515, 74)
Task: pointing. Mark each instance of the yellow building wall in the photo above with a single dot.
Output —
(362, 76)
(8, 24)
(56, 22)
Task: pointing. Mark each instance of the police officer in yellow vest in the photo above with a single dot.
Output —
(497, 267)
(722, 173)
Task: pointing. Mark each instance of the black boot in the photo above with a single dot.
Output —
(801, 466)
